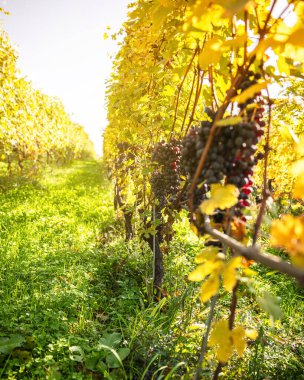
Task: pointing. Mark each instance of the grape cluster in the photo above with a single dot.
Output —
(165, 180)
(214, 167)
(243, 141)
(232, 154)
(126, 154)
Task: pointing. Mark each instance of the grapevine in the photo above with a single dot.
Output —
(206, 72)
(34, 127)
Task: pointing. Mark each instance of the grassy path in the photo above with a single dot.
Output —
(52, 264)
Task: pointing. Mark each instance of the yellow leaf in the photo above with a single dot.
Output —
(234, 6)
(298, 260)
(229, 121)
(283, 66)
(165, 3)
(296, 53)
(228, 340)
(208, 206)
(287, 133)
(239, 342)
(298, 190)
(105, 36)
(203, 17)
(296, 38)
(219, 333)
(221, 337)
(222, 197)
(168, 90)
(288, 233)
(300, 146)
(251, 334)
(208, 253)
(209, 288)
(225, 196)
(249, 92)
(298, 167)
(229, 273)
(235, 43)
(204, 270)
(194, 229)
(214, 49)
(249, 272)
(224, 353)
(211, 54)
(158, 16)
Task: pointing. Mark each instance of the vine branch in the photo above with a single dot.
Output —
(254, 253)
(181, 86)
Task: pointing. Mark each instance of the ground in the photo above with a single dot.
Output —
(76, 298)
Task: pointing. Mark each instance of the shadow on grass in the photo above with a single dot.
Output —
(79, 173)
(86, 173)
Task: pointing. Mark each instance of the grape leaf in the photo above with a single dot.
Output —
(208, 253)
(298, 167)
(298, 190)
(239, 342)
(229, 273)
(211, 54)
(204, 270)
(221, 197)
(221, 337)
(209, 288)
(229, 121)
(296, 38)
(249, 92)
(234, 6)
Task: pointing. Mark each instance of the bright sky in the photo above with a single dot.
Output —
(62, 51)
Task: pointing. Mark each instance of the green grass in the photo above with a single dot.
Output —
(52, 290)
(71, 286)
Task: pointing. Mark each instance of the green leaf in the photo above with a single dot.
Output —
(109, 358)
(77, 354)
(111, 340)
(102, 367)
(92, 360)
(8, 343)
(112, 359)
